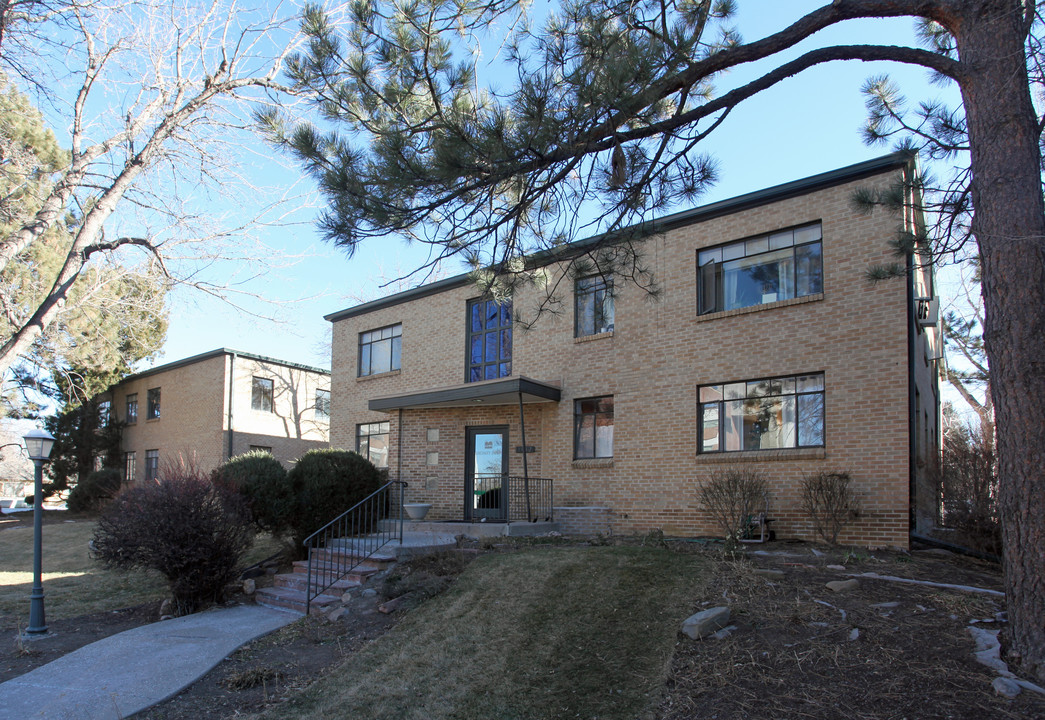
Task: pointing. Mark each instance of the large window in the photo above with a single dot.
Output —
(593, 298)
(132, 408)
(128, 468)
(104, 408)
(153, 410)
(152, 465)
(323, 404)
(760, 270)
(593, 428)
(489, 339)
(380, 350)
(372, 442)
(781, 412)
(261, 392)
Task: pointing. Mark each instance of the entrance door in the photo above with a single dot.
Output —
(486, 469)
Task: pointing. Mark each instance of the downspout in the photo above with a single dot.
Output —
(526, 467)
(399, 445)
(912, 416)
(232, 395)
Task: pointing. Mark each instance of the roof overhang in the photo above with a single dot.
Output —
(491, 392)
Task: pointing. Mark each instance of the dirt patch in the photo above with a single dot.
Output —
(880, 650)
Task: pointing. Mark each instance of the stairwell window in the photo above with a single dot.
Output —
(489, 340)
(380, 350)
(593, 428)
(593, 310)
(261, 394)
(132, 409)
(372, 442)
(152, 411)
(760, 270)
(768, 414)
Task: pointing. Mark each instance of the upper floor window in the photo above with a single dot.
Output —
(782, 412)
(132, 408)
(760, 270)
(593, 298)
(593, 428)
(489, 339)
(152, 412)
(261, 392)
(322, 403)
(372, 442)
(379, 350)
(104, 407)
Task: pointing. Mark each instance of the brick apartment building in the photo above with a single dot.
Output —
(223, 403)
(768, 346)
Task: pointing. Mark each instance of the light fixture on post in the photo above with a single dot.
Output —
(38, 445)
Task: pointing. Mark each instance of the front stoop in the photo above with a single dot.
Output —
(288, 592)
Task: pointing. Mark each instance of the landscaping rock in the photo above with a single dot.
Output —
(770, 574)
(836, 567)
(249, 586)
(854, 634)
(390, 606)
(166, 608)
(723, 633)
(1006, 687)
(705, 622)
(843, 585)
(369, 592)
(336, 614)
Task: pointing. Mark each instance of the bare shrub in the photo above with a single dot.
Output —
(182, 526)
(828, 498)
(732, 496)
(969, 487)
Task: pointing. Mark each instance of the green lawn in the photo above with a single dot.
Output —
(553, 633)
(74, 584)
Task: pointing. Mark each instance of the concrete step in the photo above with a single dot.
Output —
(291, 599)
(299, 581)
(362, 571)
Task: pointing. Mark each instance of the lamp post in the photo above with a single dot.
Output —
(38, 444)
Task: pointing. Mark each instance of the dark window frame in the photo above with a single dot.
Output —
(599, 288)
(262, 394)
(383, 430)
(152, 465)
(478, 339)
(368, 339)
(710, 275)
(718, 406)
(131, 408)
(579, 414)
(154, 396)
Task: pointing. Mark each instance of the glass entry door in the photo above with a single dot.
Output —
(486, 471)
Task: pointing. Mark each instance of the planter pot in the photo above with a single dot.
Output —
(417, 511)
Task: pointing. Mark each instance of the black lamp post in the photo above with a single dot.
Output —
(38, 444)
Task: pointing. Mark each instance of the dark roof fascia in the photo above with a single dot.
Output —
(875, 166)
(468, 392)
(218, 353)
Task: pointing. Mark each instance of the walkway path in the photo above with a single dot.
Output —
(130, 671)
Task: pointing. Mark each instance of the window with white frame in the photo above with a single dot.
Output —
(128, 467)
(380, 350)
(261, 394)
(764, 269)
(767, 414)
(593, 428)
(372, 442)
(593, 305)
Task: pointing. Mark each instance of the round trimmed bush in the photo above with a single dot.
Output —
(262, 481)
(95, 491)
(326, 483)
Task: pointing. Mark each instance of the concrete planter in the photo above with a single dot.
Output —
(417, 511)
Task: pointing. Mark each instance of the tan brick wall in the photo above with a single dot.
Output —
(659, 352)
(194, 413)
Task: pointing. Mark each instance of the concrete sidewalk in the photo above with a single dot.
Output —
(130, 671)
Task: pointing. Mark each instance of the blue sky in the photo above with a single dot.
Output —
(801, 127)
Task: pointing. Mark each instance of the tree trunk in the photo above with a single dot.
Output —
(1009, 226)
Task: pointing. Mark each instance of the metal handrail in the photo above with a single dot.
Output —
(359, 527)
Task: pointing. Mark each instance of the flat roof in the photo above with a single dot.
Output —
(218, 353)
(875, 166)
(489, 392)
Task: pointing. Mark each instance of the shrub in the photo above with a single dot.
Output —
(95, 491)
(828, 498)
(264, 485)
(969, 486)
(325, 484)
(184, 527)
(732, 496)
